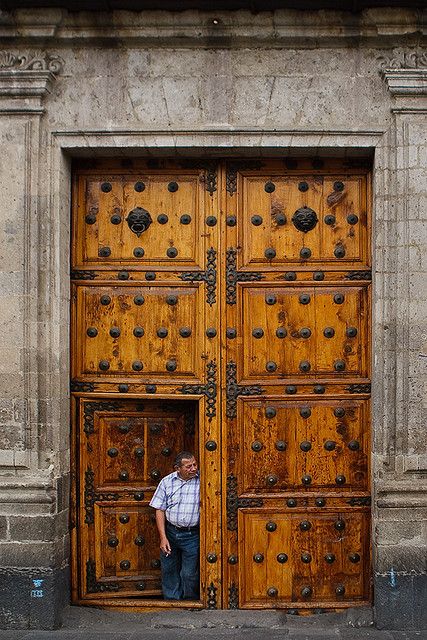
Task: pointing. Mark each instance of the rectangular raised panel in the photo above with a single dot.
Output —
(140, 331)
(126, 536)
(300, 557)
(304, 331)
(334, 208)
(104, 230)
(323, 441)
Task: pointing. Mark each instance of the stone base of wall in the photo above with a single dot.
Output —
(33, 598)
(400, 602)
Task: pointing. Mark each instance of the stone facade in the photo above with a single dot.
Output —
(79, 84)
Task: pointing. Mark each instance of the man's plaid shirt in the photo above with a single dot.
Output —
(180, 499)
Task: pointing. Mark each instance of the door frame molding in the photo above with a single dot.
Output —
(68, 145)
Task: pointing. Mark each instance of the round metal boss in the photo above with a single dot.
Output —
(280, 445)
(271, 526)
(113, 541)
(290, 276)
(305, 253)
(282, 558)
(271, 366)
(185, 219)
(270, 412)
(270, 253)
(92, 332)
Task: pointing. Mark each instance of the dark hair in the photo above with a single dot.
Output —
(182, 455)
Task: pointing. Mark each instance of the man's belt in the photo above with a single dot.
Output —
(174, 526)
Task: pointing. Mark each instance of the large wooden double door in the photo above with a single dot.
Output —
(223, 307)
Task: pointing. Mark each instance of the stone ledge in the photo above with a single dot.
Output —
(230, 29)
(406, 82)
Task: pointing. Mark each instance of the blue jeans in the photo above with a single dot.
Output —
(180, 570)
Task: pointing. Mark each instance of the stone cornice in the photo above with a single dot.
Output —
(405, 73)
(225, 29)
(27, 77)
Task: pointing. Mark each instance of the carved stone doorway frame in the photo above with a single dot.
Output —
(54, 263)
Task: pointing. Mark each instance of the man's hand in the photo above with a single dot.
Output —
(165, 546)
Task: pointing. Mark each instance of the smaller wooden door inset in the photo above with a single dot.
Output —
(127, 447)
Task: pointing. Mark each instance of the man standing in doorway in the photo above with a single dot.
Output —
(177, 504)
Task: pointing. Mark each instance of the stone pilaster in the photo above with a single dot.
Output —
(400, 469)
(33, 512)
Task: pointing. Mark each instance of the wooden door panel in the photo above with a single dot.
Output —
(127, 446)
(127, 549)
(314, 218)
(303, 445)
(295, 559)
(303, 331)
(139, 332)
(103, 227)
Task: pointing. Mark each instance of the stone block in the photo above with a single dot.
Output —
(33, 598)
(38, 528)
(18, 554)
(3, 528)
(400, 602)
(393, 533)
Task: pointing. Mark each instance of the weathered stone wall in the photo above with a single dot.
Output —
(127, 84)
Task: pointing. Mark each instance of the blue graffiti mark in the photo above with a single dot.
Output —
(37, 593)
(392, 581)
(38, 583)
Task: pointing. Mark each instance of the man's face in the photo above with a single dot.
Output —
(188, 468)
